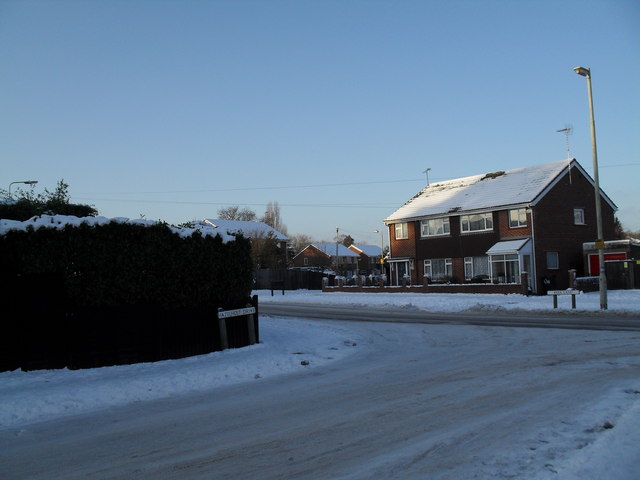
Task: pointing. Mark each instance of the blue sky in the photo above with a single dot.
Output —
(174, 109)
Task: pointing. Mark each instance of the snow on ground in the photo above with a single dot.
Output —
(287, 345)
(618, 300)
(27, 397)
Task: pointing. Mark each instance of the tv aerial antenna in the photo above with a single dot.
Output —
(567, 130)
(427, 172)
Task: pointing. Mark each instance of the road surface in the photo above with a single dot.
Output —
(561, 319)
(413, 401)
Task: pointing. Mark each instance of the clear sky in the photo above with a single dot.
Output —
(172, 109)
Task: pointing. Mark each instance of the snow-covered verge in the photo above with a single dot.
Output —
(286, 346)
(619, 301)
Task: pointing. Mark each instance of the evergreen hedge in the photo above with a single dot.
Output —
(92, 294)
(117, 264)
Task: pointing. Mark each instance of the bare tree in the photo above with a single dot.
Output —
(300, 241)
(272, 217)
(236, 213)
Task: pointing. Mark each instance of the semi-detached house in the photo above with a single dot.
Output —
(491, 228)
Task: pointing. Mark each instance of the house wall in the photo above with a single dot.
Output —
(315, 258)
(556, 231)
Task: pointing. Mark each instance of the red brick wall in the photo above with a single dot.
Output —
(555, 230)
(509, 232)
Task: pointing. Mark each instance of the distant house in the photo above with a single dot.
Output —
(328, 255)
(369, 257)
(356, 258)
(494, 227)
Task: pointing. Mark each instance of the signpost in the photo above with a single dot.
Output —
(570, 291)
(240, 312)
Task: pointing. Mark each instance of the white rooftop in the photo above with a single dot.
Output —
(369, 250)
(250, 229)
(519, 186)
(330, 249)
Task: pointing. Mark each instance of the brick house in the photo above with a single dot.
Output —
(369, 258)
(493, 227)
(323, 255)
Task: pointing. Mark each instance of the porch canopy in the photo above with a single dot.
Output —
(507, 247)
(508, 258)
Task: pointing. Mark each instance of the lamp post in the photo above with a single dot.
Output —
(586, 72)
(381, 246)
(26, 182)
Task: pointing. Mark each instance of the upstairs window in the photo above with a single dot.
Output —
(402, 232)
(578, 216)
(477, 223)
(434, 227)
(518, 218)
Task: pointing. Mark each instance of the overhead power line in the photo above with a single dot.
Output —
(280, 187)
(182, 202)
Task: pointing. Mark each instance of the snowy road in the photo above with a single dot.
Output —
(614, 321)
(412, 401)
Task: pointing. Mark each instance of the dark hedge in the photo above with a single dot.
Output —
(118, 264)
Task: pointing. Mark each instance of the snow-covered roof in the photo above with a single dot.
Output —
(61, 221)
(330, 249)
(250, 229)
(369, 250)
(519, 186)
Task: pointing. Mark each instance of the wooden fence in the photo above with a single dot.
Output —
(288, 279)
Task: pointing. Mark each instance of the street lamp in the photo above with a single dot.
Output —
(381, 246)
(26, 182)
(586, 72)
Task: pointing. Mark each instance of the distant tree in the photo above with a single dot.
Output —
(58, 202)
(267, 252)
(272, 217)
(618, 230)
(236, 213)
(299, 242)
(622, 233)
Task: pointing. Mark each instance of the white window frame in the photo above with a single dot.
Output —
(447, 263)
(470, 269)
(485, 218)
(402, 231)
(427, 269)
(519, 214)
(553, 257)
(506, 260)
(578, 216)
(435, 227)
